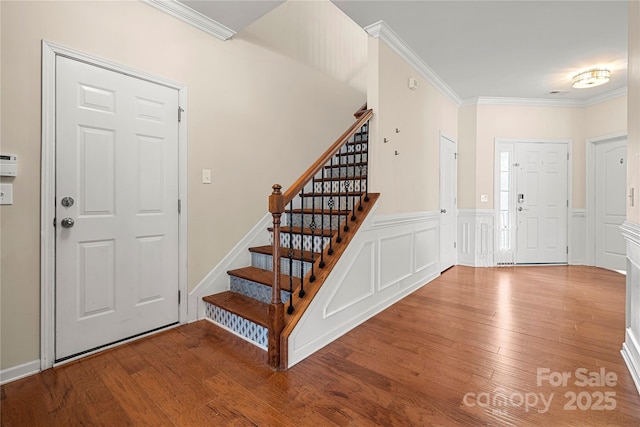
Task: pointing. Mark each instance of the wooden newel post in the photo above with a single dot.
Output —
(276, 308)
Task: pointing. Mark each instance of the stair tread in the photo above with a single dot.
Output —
(306, 231)
(263, 277)
(244, 306)
(297, 254)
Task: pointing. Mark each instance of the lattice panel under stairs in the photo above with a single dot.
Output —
(248, 330)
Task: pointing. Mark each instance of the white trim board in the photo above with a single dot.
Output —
(192, 17)
(380, 30)
(631, 348)
(21, 371)
(47, 207)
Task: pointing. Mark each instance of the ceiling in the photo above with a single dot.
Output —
(480, 48)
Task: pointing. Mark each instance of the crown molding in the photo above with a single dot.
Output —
(605, 96)
(192, 17)
(382, 31)
(541, 102)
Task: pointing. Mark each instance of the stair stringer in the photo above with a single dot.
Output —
(217, 280)
(388, 258)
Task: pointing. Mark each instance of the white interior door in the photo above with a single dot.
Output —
(117, 180)
(448, 194)
(610, 204)
(541, 203)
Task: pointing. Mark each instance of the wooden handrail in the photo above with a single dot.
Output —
(288, 195)
(277, 205)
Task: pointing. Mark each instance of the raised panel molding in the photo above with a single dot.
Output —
(631, 348)
(476, 237)
(336, 310)
(356, 285)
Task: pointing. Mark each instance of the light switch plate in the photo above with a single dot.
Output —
(6, 194)
(206, 176)
(484, 197)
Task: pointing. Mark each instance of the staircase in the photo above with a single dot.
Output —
(313, 222)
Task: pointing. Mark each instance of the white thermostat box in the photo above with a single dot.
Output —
(8, 164)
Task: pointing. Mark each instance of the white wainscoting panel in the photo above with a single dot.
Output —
(631, 346)
(476, 237)
(578, 237)
(390, 257)
(360, 279)
(395, 259)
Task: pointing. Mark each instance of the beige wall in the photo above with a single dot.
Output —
(467, 148)
(319, 34)
(256, 117)
(409, 181)
(493, 122)
(633, 156)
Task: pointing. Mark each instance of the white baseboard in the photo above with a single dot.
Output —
(634, 369)
(21, 371)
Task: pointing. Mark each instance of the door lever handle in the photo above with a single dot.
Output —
(443, 211)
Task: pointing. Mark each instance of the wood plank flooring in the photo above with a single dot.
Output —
(464, 350)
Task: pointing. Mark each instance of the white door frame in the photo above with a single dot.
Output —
(496, 181)
(591, 190)
(48, 187)
(455, 189)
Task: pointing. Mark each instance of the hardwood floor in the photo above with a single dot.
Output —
(464, 350)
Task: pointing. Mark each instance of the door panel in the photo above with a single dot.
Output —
(117, 157)
(541, 203)
(610, 204)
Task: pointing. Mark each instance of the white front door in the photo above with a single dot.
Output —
(541, 203)
(448, 194)
(116, 207)
(610, 204)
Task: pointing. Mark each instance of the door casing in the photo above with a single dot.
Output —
(445, 139)
(47, 189)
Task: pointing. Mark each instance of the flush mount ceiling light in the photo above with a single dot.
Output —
(591, 78)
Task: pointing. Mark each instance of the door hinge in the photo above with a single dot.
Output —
(180, 110)
(179, 296)
(179, 206)
(567, 156)
(454, 245)
(567, 203)
(567, 250)
(455, 156)
(54, 222)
